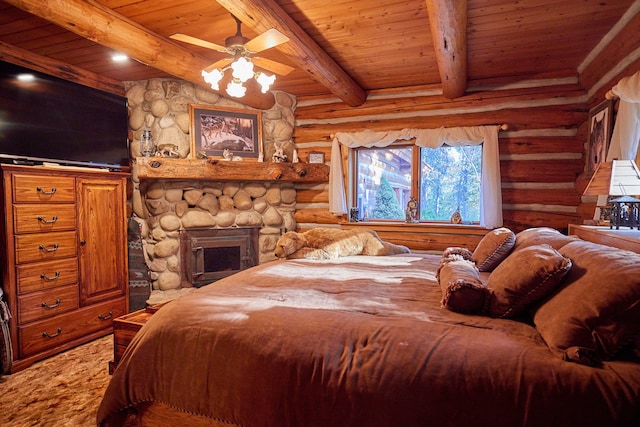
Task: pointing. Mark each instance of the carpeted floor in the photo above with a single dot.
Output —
(63, 390)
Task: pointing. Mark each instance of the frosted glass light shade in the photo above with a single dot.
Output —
(235, 89)
(242, 69)
(213, 78)
(265, 81)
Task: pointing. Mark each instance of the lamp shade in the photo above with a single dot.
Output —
(614, 178)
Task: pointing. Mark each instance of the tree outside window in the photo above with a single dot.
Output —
(448, 180)
(383, 182)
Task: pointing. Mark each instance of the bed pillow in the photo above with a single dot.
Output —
(597, 311)
(524, 278)
(462, 289)
(493, 248)
(539, 235)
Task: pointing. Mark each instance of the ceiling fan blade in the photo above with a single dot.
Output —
(219, 64)
(266, 40)
(273, 66)
(198, 42)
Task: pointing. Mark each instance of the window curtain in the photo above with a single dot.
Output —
(491, 197)
(626, 130)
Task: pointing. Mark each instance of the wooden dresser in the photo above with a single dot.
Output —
(64, 257)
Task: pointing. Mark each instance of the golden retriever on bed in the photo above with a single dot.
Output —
(331, 243)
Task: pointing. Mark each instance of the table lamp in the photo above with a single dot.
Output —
(618, 178)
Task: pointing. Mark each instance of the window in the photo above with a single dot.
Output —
(443, 180)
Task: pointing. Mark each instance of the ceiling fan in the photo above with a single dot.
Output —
(240, 46)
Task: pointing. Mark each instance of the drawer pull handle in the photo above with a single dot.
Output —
(45, 305)
(50, 279)
(48, 221)
(43, 248)
(46, 335)
(48, 193)
(107, 317)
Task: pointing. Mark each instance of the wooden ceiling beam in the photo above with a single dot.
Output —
(448, 22)
(102, 25)
(262, 15)
(53, 67)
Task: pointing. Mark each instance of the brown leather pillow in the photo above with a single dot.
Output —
(462, 289)
(493, 248)
(525, 277)
(597, 311)
(540, 235)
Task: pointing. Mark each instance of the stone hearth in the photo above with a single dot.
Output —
(170, 206)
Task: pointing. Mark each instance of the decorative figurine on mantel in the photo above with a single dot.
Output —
(168, 150)
(411, 213)
(228, 156)
(278, 155)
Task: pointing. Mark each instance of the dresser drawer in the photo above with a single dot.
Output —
(43, 218)
(44, 334)
(45, 246)
(43, 189)
(43, 304)
(46, 275)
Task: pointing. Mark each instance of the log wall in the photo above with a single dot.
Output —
(542, 153)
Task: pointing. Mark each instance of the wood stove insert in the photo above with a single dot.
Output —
(209, 254)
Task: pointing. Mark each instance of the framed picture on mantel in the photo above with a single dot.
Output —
(316, 157)
(215, 129)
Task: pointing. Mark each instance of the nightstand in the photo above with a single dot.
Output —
(125, 328)
(626, 238)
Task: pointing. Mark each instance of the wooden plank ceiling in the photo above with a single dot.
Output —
(341, 48)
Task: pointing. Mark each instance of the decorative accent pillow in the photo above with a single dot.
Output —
(493, 248)
(597, 311)
(539, 235)
(462, 289)
(453, 254)
(454, 250)
(525, 277)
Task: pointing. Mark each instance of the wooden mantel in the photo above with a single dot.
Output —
(220, 170)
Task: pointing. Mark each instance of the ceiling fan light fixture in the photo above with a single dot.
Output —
(213, 77)
(235, 88)
(241, 48)
(241, 73)
(265, 81)
(242, 69)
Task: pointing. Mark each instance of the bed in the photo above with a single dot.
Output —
(356, 341)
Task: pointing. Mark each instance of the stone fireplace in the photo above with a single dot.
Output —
(172, 207)
(167, 203)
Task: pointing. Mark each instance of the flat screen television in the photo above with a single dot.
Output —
(48, 119)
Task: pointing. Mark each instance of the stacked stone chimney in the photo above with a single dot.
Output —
(165, 206)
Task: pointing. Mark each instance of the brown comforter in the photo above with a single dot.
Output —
(358, 341)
